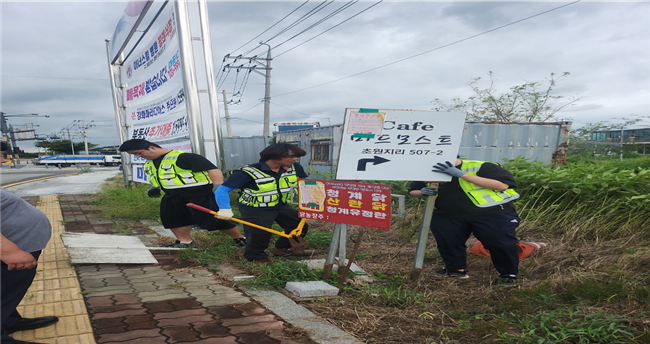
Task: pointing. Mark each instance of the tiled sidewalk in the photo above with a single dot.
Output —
(172, 302)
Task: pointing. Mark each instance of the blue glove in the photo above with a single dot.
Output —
(153, 192)
(428, 191)
(447, 168)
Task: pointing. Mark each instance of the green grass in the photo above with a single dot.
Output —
(391, 292)
(565, 325)
(277, 275)
(132, 203)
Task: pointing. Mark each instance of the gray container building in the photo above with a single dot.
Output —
(545, 142)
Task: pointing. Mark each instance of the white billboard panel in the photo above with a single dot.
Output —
(398, 144)
(154, 93)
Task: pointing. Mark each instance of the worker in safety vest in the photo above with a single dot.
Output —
(478, 200)
(265, 198)
(184, 178)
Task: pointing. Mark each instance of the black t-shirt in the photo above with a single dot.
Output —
(195, 163)
(453, 202)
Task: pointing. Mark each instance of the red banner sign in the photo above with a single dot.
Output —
(345, 202)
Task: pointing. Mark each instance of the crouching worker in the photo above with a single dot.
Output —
(478, 200)
(185, 178)
(265, 196)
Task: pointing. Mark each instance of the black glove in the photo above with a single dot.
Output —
(153, 192)
(428, 191)
(448, 168)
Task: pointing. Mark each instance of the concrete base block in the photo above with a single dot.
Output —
(311, 289)
(163, 231)
(320, 263)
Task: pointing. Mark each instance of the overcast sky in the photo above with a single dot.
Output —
(394, 55)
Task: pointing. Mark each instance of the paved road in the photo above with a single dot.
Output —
(21, 173)
(70, 182)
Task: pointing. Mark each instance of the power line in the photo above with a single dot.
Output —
(286, 51)
(278, 22)
(431, 50)
(304, 17)
(322, 20)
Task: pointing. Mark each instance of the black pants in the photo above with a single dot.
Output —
(175, 213)
(257, 240)
(14, 287)
(496, 232)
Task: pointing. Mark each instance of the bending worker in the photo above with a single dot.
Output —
(265, 196)
(185, 178)
(479, 200)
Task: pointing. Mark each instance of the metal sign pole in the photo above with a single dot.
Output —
(331, 253)
(343, 241)
(422, 238)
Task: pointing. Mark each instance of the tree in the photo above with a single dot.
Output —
(63, 146)
(529, 102)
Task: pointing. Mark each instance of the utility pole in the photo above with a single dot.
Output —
(85, 135)
(267, 91)
(267, 83)
(70, 138)
(83, 127)
(226, 114)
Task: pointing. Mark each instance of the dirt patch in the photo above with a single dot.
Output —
(431, 309)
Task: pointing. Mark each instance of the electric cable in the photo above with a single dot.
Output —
(286, 51)
(296, 22)
(431, 50)
(322, 20)
(278, 22)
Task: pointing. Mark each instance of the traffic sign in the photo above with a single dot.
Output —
(382, 144)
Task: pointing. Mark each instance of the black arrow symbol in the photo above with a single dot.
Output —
(361, 166)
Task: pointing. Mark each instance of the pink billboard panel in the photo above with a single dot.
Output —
(345, 202)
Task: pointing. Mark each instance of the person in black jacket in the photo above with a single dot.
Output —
(265, 199)
(478, 200)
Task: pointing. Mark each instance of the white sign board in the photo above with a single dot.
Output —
(398, 144)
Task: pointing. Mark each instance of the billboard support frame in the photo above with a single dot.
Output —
(119, 114)
(189, 78)
(206, 41)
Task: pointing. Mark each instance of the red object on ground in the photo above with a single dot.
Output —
(525, 249)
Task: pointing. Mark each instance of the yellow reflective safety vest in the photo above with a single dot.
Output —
(483, 197)
(271, 192)
(170, 176)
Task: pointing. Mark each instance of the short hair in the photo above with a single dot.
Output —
(136, 144)
(4, 146)
(281, 150)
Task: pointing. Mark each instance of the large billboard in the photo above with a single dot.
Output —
(154, 96)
